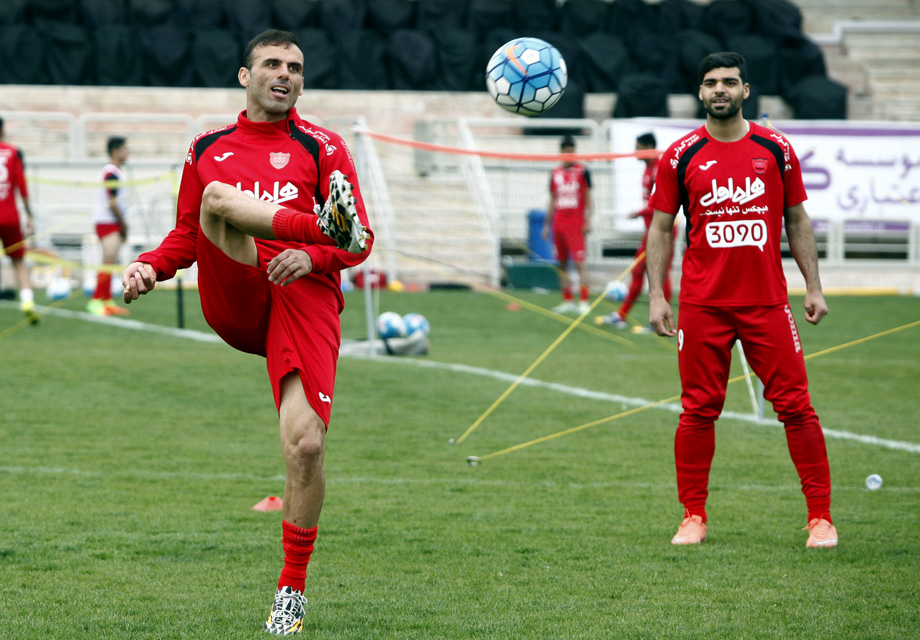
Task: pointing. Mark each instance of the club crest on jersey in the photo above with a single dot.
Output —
(759, 164)
(279, 160)
(330, 149)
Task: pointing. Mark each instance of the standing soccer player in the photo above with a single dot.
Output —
(110, 217)
(617, 319)
(13, 180)
(738, 182)
(569, 216)
(269, 274)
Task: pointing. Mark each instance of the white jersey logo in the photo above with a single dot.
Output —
(737, 233)
(277, 195)
(223, 157)
(705, 167)
(324, 398)
(735, 194)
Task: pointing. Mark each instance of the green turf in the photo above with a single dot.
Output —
(129, 463)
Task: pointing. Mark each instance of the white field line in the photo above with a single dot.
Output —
(579, 392)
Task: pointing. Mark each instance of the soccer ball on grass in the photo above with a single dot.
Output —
(391, 325)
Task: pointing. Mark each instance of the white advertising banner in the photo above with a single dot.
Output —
(866, 174)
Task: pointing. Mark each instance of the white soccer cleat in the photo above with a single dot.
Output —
(338, 217)
(286, 617)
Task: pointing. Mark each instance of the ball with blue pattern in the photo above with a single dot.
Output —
(390, 325)
(526, 76)
(416, 322)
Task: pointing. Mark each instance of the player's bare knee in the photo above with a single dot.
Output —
(306, 447)
(214, 199)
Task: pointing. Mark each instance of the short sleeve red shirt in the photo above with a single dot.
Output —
(733, 195)
(569, 186)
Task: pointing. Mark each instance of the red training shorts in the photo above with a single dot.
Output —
(13, 242)
(293, 326)
(569, 239)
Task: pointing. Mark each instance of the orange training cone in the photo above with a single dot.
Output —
(271, 503)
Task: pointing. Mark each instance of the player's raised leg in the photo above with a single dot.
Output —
(230, 219)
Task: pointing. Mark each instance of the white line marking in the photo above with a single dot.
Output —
(579, 392)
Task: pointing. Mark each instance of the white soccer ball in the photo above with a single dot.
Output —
(416, 322)
(874, 482)
(390, 325)
(58, 289)
(526, 76)
(617, 290)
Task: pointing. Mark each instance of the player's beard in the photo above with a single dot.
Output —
(733, 107)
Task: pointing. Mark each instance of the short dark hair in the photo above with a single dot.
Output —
(1, 123)
(567, 141)
(723, 59)
(115, 142)
(647, 140)
(269, 37)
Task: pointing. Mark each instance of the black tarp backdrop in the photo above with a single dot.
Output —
(413, 60)
(166, 51)
(320, 70)
(22, 52)
(762, 58)
(387, 16)
(248, 19)
(407, 44)
(457, 68)
(293, 15)
(118, 56)
(606, 59)
(641, 95)
(217, 56)
(818, 97)
(68, 53)
(362, 60)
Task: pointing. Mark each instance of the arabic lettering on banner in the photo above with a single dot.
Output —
(852, 170)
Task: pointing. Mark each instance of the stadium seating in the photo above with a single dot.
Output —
(413, 45)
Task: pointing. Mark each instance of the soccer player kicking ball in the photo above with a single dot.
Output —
(269, 257)
(737, 182)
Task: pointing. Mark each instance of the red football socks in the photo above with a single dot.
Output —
(298, 545)
(296, 226)
(103, 286)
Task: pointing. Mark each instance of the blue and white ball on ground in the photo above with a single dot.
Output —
(616, 291)
(416, 322)
(526, 76)
(390, 325)
(58, 289)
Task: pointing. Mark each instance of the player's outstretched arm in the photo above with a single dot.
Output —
(658, 252)
(138, 279)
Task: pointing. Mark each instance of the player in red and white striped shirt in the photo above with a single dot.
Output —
(738, 183)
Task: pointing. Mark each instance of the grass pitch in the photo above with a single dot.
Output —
(130, 460)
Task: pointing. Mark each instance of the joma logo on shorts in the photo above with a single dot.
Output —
(795, 332)
(277, 195)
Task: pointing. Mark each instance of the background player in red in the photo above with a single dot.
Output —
(738, 183)
(269, 275)
(110, 217)
(13, 180)
(645, 142)
(569, 217)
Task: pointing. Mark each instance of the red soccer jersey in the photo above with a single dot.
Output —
(285, 162)
(12, 178)
(734, 195)
(569, 185)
